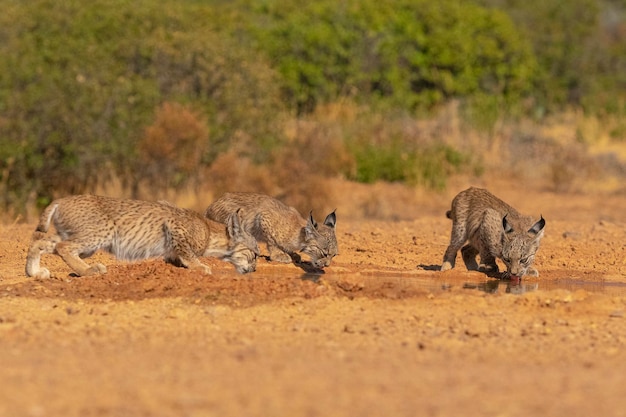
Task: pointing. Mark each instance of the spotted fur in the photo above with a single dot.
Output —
(493, 229)
(134, 230)
(281, 227)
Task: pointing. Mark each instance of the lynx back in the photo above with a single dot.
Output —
(492, 229)
(134, 230)
(281, 227)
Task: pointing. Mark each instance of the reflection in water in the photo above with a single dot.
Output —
(404, 284)
(494, 286)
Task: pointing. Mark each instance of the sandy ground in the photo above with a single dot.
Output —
(380, 333)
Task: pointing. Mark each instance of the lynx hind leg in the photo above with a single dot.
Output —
(70, 251)
(457, 239)
(39, 246)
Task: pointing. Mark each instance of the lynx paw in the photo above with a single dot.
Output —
(43, 273)
(532, 272)
(96, 269)
(281, 257)
(203, 269)
(488, 268)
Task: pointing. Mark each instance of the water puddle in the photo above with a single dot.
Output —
(496, 286)
(407, 284)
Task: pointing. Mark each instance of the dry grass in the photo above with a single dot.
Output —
(171, 149)
(568, 153)
(310, 173)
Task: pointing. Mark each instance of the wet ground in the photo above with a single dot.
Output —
(381, 332)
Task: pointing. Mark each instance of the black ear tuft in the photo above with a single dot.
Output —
(506, 226)
(312, 220)
(538, 227)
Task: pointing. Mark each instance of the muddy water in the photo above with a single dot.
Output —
(402, 283)
(494, 286)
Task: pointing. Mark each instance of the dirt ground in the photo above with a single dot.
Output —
(381, 332)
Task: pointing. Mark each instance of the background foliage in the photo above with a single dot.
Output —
(408, 53)
(153, 93)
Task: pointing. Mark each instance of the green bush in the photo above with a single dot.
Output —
(428, 166)
(81, 81)
(410, 53)
(580, 48)
(391, 147)
(386, 163)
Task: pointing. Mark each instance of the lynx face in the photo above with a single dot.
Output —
(519, 248)
(320, 241)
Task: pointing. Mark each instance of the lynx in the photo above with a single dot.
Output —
(492, 229)
(134, 230)
(281, 227)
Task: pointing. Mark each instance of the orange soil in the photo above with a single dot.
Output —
(374, 335)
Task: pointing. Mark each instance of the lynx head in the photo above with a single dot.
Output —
(320, 240)
(520, 245)
(242, 246)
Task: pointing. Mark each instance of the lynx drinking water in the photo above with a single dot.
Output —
(492, 229)
(133, 230)
(281, 227)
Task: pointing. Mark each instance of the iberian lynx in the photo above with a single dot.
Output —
(492, 229)
(134, 230)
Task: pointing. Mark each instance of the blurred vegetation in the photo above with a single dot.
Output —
(154, 93)
(405, 53)
(82, 83)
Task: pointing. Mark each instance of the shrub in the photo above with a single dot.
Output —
(171, 149)
(429, 166)
(414, 54)
(81, 82)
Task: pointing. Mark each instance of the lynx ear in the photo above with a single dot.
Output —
(331, 219)
(233, 226)
(311, 220)
(311, 226)
(537, 227)
(506, 226)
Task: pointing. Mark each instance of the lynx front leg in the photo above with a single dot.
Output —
(70, 252)
(266, 229)
(33, 260)
(193, 263)
(184, 257)
(488, 263)
(469, 257)
(179, 251)
(457, 239)
(278, 255)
